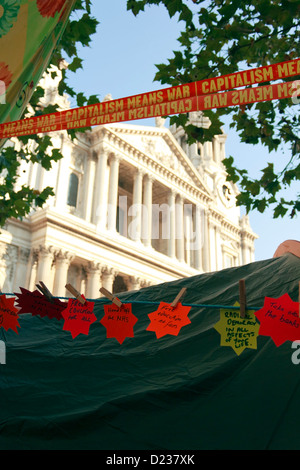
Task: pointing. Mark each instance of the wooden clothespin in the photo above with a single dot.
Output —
(76, 294)
(242, 287)
(178, 298)
(111, 297)
(45, 291)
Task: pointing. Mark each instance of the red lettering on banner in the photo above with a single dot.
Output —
(195, 96)
(289, 69)
(285, 90)
(147, 99)
(178, 93)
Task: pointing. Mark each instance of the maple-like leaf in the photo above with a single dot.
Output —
(119, 322)
(38, 305)
(279, 319)
(9, 318)
(168, 320)
(78, 318)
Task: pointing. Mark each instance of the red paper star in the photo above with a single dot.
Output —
(167, 320)
(37, 304)
(119, 322)
(8, 314)
(78, 317)
(279, 319)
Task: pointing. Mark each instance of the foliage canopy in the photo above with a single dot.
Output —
(224, 36)
(18, 202)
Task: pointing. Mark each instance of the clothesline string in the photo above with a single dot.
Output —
(148, 302)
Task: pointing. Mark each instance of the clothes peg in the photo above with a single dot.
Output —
(242, 287)
(45, 291)
(111, 297)
(178, 298)
(76, 294)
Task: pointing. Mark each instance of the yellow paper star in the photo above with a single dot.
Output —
(237, 332)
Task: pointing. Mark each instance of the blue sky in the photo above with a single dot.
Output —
(121, 61)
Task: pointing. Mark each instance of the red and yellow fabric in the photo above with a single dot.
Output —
(29, 33)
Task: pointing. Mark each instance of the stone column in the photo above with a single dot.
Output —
(134, 283)
(213, 244)
(32, 175)
(194, 155)
(245, 250)
(180, 230)
(113, 193)
(62, 185)
(219, 251)
(207, 148)
(40, 177)
(62, 264)
(3, 248)
(222, 140)
(32, 270)
(108, 277)
(100, 201)
(216, 149)
(172, 231)
(45, 260)
(206, 243)
(22, 268)
(252, 254)
(199, 238)
(147, 218)
(137, 205)
(93, 271)
(89, 189)
(188, 232)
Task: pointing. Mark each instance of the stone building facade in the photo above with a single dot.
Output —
(134, 206)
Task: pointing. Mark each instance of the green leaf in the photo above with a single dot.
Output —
(75, 65)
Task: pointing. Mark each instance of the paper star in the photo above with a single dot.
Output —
(78, 318)
(119, 322)
(279, 319)
(237, 332)
(168, 320)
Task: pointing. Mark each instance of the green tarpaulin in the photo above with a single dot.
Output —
(184, 392)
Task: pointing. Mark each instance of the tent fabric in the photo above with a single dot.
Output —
(185, 392)
(29, 33)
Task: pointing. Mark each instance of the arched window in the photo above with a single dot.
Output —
(73, 190)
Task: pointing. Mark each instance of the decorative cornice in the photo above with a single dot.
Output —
(139, 157)
(93, 267)
(64, 256)
(109, 271)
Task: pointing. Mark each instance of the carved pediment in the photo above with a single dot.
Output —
(159, 145)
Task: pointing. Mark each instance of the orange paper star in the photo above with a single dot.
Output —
(119, 322)
(78, 318)
(168, 320)
(279, 319)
